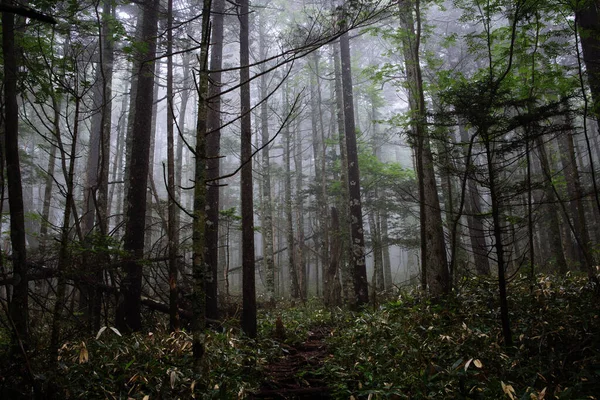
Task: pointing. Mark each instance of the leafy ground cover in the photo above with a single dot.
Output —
(407, 348)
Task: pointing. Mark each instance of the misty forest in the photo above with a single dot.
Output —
(312, 199)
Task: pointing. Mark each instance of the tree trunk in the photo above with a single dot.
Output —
(575, 195)
(346, 229)
(267, 211)
(361, 286)
(289, 219)
(248, 272)
(213, 150)
(433, 252)
(19, 304)
(128, 316)
(477, 232)
(300, 256)
(63, 255)
(588, 21)
(551, 214)
(173, 228)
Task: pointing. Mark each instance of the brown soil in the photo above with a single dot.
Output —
(294, 375)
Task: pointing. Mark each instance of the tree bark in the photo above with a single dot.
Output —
(266, 204)
(213, 150)
(361, 286)
(345, 232)
(248, 272)
(19, 304)
(128, 316)
(433, 252)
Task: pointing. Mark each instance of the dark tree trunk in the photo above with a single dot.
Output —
(588, 21)
(173, 239)
(575, 194)
(19, 304)
(361, 286)
(248, 277)
(213, 150)
(199, 218)
(551, 214)
(128, 316)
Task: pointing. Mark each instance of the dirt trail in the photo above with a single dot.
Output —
(294, 376)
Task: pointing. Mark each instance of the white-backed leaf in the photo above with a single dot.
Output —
(115, 330)
(100, 332)
(467, 364)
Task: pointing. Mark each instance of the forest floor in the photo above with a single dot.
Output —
(296, 374)
(407, 347)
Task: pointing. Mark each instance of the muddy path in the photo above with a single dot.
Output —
(295, 375)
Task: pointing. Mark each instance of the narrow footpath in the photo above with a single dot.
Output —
(295, 375)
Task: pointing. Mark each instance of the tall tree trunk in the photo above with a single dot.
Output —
(213, 150)
(300, 256)
(551, 213)
(346, 229)
(575, 194)
(199, 220)
(19, 304)
(152, 193)
(361, 286)
(289, 219)
(322, 193)
(128, 316)
(587, 17)
(433, 252)
(499, 244)
(248, 269)
(266, 204)
(477, 232)
(63, 255)
(173, 228)
(49, 183)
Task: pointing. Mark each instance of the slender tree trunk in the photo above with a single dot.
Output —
(361, 286)
(152, 193)
(499, 244)
(575, 194)
(322, 193)
(289, 219)
(49, 183)
(63, 255)
(387, 263)
(300, 256)
(267, 210)
(128, 316)
(551, 213)
(248, 270)
(477, 232)
(173, 239)
(332, 290)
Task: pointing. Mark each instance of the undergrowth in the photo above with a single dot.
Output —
(408, 348)
(412, 348)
